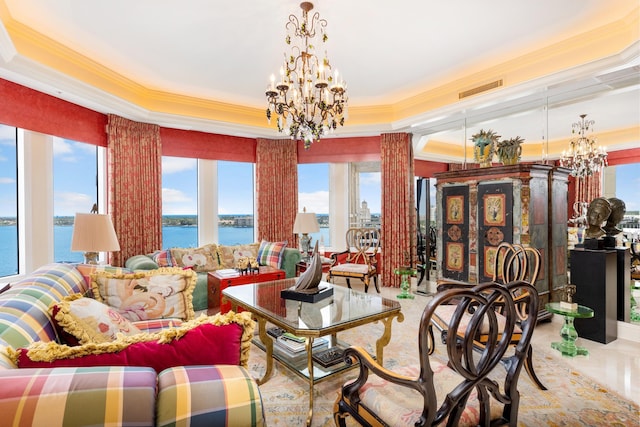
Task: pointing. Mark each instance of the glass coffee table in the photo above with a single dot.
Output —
(345, 309)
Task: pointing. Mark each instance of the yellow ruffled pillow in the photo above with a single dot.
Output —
(83, 320)
(145, 295)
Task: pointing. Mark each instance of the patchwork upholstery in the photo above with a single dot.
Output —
(71, 397)
(209, 396)
(109, 395)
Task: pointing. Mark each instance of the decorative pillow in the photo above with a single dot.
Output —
(221, 339)
(164, 258)
(230, 254)
(204, 258)
(81, 320)
(270, 253)
(143, 295)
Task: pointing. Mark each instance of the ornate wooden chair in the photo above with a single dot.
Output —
(360, 261)
(512, 263)
(462, 388)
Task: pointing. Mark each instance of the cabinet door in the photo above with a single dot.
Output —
(455, 232)
(495, 224)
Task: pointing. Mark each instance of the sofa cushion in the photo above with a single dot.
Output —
(229, 254)
(164, 258)
(143, 295)
(270, 253)
(86, 270)
(104, 396)
(204, 258)
(221, 339)
(82, 320)
(221, 395)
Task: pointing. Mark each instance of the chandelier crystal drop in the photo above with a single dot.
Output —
(310, 98)
(584, 158)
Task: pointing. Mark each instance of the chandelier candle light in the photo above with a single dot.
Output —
(310, 98)
(583, 158)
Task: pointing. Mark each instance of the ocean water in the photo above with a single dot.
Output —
(172, 237)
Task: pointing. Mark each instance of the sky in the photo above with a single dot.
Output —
(179, 187)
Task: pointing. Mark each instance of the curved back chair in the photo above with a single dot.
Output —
(512, 263)
(358, 261)
(457, 388)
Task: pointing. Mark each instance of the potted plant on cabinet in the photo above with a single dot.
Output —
(484, 147)
(510, 150)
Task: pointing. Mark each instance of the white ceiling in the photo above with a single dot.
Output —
(386, 51)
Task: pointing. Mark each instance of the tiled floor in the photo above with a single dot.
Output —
(616, 365)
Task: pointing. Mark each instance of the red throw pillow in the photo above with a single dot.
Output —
(206, 344)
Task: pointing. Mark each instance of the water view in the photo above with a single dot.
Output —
(173, 236)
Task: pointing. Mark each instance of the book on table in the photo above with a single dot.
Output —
(295, 348)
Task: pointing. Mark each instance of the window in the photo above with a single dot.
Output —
(313, 194)
(8, 201)
(365, 195)
(627, 185)
(72, 160)
(235, 203)
(179, 202)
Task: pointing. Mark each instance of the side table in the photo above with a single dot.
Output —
(217, 282)
(568, 332)
(301, 266)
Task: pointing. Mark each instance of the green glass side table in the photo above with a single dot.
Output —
(568, 332)
(405, 285)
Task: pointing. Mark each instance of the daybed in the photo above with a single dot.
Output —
(192, 372)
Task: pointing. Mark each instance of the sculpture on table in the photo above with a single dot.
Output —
(309, 280)
(569, 291)
(597, 213)
(618, 209)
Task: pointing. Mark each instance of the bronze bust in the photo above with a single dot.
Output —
(597, 213)
(618, 209)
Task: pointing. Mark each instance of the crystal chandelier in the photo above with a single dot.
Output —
(309, 99)
(583, 157)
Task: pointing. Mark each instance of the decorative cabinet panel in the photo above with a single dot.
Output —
(480, 208)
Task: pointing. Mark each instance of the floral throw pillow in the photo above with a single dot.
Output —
(84, 320)
(271, 253)
(204, 258)
(145, 295)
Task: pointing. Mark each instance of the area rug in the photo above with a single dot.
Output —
(571, 400)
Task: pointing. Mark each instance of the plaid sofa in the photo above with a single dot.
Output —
(107, 395)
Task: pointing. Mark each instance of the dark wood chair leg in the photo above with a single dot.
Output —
(348, 283)
(528, 366)
(375, 282)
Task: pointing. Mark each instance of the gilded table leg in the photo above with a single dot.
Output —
(268, 345)
(386, 336)
(309, 348)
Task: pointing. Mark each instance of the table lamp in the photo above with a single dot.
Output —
(93, 233)
(304, 224)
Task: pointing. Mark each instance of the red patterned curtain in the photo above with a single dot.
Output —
(589, 187)
(134, 186)
(398, 205)
(277, 189)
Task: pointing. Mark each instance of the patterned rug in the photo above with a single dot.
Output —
(572, 399)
